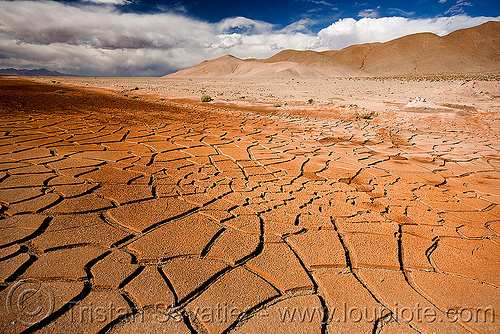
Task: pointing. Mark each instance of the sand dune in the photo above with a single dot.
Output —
(320, 62)
(473, 50)
(287, 63)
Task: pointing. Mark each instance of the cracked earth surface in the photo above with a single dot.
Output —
(125, 215)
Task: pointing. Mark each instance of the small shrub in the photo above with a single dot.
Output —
(366, 114)
(59, 92)
(133, 96)
(276, 105)
(310, 101)
(206, 98)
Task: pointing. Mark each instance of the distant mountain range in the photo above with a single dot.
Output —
(35, 72)
(472, 50)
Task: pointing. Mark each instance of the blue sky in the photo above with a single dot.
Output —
(324, 11)
(156, 37)
(321, 12)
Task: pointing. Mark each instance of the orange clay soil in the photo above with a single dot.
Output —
(135, 215)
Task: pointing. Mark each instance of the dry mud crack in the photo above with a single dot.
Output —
(124, 216)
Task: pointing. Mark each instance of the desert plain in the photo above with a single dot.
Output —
(285, 205)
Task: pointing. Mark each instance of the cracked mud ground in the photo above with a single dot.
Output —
(125, 215)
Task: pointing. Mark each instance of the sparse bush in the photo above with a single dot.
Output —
(206, 98)
(366, 114)
(276, 105)
(310, 101)
(59, 92)
(133, 96)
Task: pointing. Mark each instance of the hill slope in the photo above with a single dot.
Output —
(287, 63)
(472, 50)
